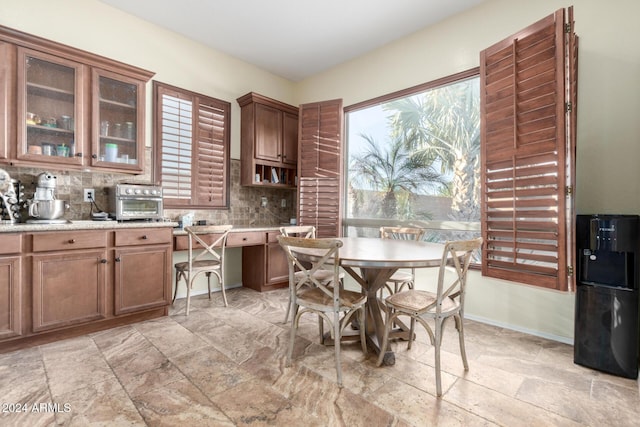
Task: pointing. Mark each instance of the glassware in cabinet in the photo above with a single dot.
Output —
(49, 107)
(119, 141)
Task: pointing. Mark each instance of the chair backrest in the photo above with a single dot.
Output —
(325, 254)
(456, 254)
(402, 233)
(307, 231)
(212, 239)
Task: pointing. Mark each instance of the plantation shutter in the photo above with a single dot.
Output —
(320, 167)
(528, 142)
(191, 148)
(211, 165)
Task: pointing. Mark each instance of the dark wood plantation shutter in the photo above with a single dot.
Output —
(191, 145)
(320, 167)
(526, 148)
(211, 165)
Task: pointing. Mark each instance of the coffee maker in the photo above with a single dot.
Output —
(607, 333)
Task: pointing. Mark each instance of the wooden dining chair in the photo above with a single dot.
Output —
(307, 232)
(207, 245)
(400, 278)
(310, 295)
(446, 302)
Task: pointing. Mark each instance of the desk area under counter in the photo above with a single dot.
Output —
(264, 263)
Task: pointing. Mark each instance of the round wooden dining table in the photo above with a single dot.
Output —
(377, 259)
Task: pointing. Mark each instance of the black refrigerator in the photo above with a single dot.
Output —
(607, 332)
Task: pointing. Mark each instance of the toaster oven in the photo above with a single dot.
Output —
(136, 202)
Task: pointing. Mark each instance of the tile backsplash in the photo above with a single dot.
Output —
(244, 208)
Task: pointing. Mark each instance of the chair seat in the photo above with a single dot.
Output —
(401, 277)
(323, 276)
(319, 300)
(196, 265)
(417, 301)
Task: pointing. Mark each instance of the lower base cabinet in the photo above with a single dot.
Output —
(63, 283)
(68, 289)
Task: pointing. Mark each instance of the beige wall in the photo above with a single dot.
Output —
(609, 99)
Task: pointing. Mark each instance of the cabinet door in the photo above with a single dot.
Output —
(50, 105)
(289, 138)
(68, 289)
(277, 267)
(7, 95)
(10, 297)
(117, 122)
(268, 128)
(142, 278)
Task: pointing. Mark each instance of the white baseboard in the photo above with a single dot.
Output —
(552, 337)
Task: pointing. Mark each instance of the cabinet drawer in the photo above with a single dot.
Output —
(272, 236)
(69, 240)
(11, 244)
(248, 238)
(143, 236)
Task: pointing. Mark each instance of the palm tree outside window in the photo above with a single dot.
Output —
(413, 159)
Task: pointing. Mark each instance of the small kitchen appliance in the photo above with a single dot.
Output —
(135, 202)
(11, 198)
(44, 208)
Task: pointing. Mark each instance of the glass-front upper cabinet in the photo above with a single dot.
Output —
(118, 136)
(50, 102)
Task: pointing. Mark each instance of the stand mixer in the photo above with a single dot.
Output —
(44, 206)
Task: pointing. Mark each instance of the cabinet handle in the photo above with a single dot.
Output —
(117, 259)
(72, 240)
(144, 237)
(103, 261)
(94, 156)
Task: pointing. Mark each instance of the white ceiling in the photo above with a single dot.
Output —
(294, 39)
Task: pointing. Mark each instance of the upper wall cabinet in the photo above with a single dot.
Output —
(69, 108)
(269, 139)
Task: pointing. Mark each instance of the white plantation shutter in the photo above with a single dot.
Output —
(192, 148)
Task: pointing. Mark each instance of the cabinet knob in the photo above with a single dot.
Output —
(103, 261)
(78, 154)
(244, 239)
(94, 156)
(72, 240)
(144, 237)
(117, 259)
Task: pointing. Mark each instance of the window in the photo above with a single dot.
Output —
(191, 146)
(414, 159)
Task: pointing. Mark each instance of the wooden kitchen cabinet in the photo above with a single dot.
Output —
(68, 279)
(269, 142)
(277, 264)
(68, 105)
(143, 262)
(10, 286)
(57, 284)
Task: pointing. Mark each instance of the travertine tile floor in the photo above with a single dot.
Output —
(225, 367)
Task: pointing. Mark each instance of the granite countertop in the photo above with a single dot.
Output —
(81, 225)
(7, 227)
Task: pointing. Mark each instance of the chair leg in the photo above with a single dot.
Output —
(286, 315)
(336, 344)
(209, 284)
(224, 295)
(463, 352)
(188, 295)
(179, 274)
(294, 326)
(321, 329)
(438, 342)
(412, 330)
